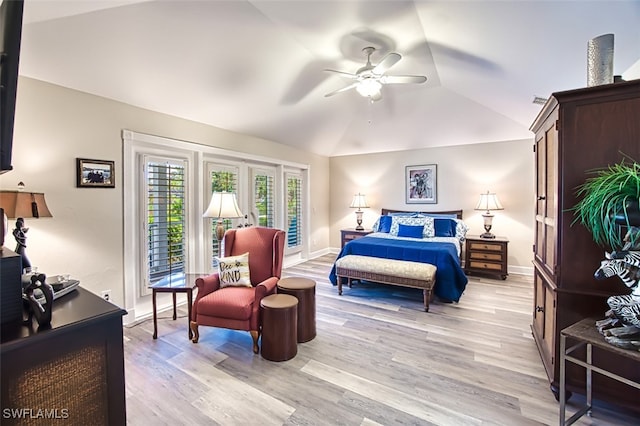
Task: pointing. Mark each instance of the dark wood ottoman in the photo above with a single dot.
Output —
(304, 289)
(279, 327)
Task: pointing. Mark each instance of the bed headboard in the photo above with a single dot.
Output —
(458, 213)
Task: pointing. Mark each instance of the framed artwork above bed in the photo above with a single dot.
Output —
(421, 184)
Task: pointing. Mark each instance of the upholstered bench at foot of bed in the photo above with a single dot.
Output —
(389, 271)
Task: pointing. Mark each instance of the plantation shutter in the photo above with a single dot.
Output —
(166, 227)
(263, 197)
(294, 210)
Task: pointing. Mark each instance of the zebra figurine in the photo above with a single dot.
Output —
(630, 257)
(626, 268)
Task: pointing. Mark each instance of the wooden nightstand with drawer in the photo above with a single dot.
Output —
(347, 235)
(486, 256)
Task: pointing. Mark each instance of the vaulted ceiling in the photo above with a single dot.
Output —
(257, 67)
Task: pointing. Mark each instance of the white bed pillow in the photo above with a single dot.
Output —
(461, 229)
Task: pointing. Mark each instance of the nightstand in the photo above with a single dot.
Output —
(351, 234)
(486, 256)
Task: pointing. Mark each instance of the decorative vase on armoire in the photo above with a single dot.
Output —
(577, 131)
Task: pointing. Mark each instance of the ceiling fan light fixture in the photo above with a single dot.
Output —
(369, 87)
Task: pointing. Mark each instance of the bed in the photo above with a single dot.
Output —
(392, 242)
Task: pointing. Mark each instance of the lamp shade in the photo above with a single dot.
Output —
(223, 205)
(359, 201)
(488, 202)
(24, 204)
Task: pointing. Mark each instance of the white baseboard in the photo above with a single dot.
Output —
(521, 270)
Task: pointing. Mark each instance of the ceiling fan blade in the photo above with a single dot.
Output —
(344, 74)
(344, 89)
(386, 63)
(400, 79)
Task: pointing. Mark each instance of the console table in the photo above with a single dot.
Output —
(585, 334)
(72, 370)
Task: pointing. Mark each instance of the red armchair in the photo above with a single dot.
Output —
(238, 308)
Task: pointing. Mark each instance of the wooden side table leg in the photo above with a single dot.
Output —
(189, 303)
(589, 378)
(563, 390)
(155, 316)
(173, 293)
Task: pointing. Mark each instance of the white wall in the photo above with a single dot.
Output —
(463, 172)
(55, 125)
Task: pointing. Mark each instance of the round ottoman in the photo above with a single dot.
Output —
(279, 327)
(304, 289)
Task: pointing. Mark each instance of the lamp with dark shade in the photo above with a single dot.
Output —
(359, 202)
(223, 205)
(20, 205)
(488, 202)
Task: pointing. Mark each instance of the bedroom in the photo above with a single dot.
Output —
(56, 124)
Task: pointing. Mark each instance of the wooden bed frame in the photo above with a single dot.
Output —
(458, 213)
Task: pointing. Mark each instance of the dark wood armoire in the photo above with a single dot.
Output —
(578, 131)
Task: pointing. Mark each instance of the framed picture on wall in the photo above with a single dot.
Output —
(95, 173)
(421, 184)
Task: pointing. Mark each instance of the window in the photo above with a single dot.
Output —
(164, 183)
(294, 211)
(168, 186)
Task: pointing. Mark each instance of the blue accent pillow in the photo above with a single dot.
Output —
(445, 227)
(385, 224)
(411, 231)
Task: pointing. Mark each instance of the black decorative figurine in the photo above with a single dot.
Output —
(41, 311)
(20, 234)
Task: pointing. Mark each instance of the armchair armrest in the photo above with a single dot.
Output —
(263, 289)
(266, 288)
(207, 285)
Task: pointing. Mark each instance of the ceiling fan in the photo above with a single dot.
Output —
(370, 78)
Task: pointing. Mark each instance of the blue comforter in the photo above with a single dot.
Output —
(450, 279)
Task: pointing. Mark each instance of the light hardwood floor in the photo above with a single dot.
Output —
(378, 359)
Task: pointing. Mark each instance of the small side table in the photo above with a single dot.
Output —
(176, 283)
(303, 289)
(586, 335)
(279, 327)
(486, 255)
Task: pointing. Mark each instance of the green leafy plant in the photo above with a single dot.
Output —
(610, 198)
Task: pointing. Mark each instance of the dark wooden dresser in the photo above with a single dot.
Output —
(578, 131)
(71, 372)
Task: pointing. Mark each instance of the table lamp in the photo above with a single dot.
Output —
(223, 205)
(488, 202)
(359, 202)
(20, 205)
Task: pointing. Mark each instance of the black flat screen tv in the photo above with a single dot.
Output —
(10, 35)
